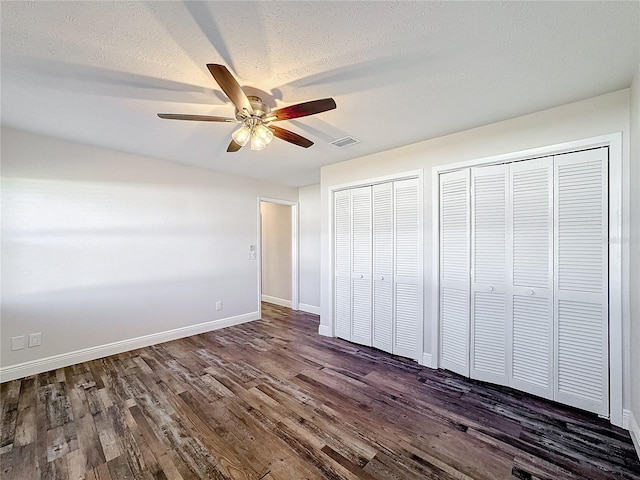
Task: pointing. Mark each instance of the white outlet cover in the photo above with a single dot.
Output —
(35, 339)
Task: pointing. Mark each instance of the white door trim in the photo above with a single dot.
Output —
(295, 250)
(617, 304)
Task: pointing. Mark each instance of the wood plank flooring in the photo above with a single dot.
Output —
(273, 400)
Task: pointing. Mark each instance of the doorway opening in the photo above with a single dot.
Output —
(278, 252)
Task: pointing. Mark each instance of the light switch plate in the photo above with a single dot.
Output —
(17, 343)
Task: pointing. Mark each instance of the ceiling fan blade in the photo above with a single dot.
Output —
(230, 86)
(233, 147)
(291, 137)
(303, 109)
(197, 118)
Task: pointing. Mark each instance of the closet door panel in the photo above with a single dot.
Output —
(581, 291)
(454, 271)
(361, 259)
(489, 200)
(383, 233)
(408, 269)
(383, 313)
(361, 322)
(488, 347)
(489, 224)
(532, 355)
(530, 327)
(342, 252)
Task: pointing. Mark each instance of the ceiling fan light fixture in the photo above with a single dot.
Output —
(257, 142)
(241, 135)
(264, 133)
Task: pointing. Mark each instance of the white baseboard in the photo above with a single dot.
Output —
(277, 301)
(634, 430)
(41, 365)
(309, 308)
(325, 331)
(427, 360)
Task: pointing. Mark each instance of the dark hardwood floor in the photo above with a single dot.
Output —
(273, 400)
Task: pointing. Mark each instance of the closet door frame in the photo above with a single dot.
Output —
(618, 340)
(327, 323)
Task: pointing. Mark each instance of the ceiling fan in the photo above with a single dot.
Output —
(256, 117)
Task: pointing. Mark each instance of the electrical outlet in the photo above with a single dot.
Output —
(252, 252)
(35, 339)
(17, 343)
(218, 306)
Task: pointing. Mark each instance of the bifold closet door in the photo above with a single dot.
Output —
(378, 266)
(489, 300)
(361, 258)
(524, 284)
(530, 268)
(383, 236)
(408, 314)
(582, 283)
(454, 271)
(342, 253)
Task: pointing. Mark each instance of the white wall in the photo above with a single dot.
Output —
(635, 256)
(588, 118)
(310, 248)
(276, 253)
(100, 246)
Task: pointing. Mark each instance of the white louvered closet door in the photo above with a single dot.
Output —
(361, 265)
(342, 252)
(383, 234)
(582, 284)
(408, 269)
(454, 271)
(489, 340)
(531, 277)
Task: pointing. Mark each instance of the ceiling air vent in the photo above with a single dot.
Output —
(345, 142)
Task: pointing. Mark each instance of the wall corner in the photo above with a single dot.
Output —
(325, 331)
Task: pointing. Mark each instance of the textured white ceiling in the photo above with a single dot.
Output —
(400, 72)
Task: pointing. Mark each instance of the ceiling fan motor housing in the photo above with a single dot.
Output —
(259, 108)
